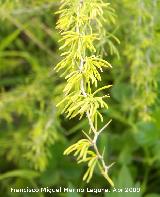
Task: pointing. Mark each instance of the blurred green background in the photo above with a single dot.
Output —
(33, 134)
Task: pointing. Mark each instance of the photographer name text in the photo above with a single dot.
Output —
(71, 190)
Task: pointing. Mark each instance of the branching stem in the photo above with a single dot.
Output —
(82, 68)
(82, 88)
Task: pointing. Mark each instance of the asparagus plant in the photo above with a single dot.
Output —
(81, 25)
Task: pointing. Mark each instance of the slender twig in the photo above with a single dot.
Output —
(94, 141)
(96, 133)
(105, 126)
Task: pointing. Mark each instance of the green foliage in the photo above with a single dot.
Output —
(34, 132)
(141, 54)
(26, 97)
(82, 67)
(84, 155)
(78, 105)
(28, 174)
